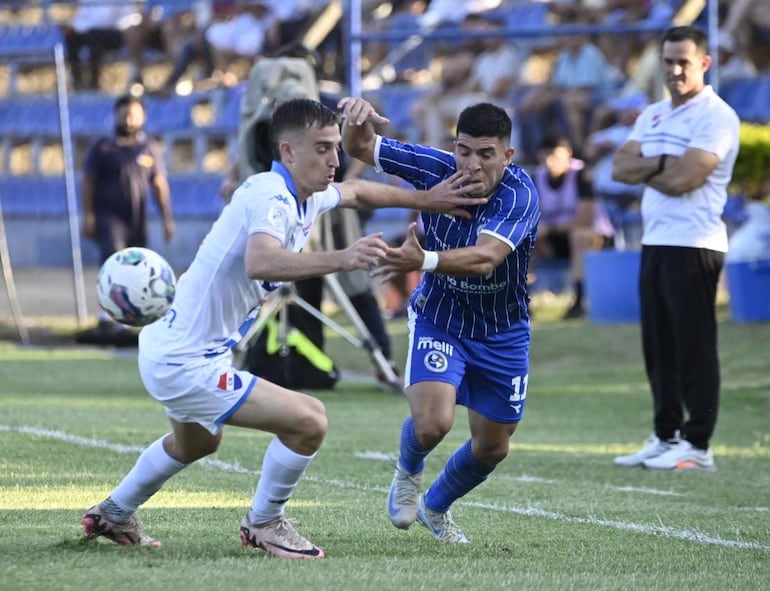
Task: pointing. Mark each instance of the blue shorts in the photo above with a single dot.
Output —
(490, 375)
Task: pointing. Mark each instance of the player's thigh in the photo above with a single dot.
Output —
(273, 408)
(497, 376)
(202, 391)
(435, 367)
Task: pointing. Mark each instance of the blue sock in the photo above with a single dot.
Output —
(461, 474)
(412, 453)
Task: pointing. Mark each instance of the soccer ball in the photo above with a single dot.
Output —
(136, 286)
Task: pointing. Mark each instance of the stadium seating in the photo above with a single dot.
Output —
(750, 97)
(29, 40)
(36, 196)
(194, 196)
(33, 196)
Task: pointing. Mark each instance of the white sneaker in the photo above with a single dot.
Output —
(441, 525)
(653, 447)
(682, 456)
(402, 497)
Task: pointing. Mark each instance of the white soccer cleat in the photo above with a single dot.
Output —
(402, 497)
(653, 447)
(440, 525)
(278, 538)
(682, 456)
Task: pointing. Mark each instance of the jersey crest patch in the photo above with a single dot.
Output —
(436, 361)
(229, 381)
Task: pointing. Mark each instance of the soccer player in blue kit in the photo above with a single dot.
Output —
(469, 330)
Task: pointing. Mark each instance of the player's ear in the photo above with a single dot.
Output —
(286, 151)
(509, 152)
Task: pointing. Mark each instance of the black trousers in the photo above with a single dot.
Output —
(677, 290)
(114, 233)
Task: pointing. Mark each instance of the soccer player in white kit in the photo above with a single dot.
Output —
(185, 358)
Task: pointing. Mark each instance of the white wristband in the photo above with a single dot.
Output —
(430, 262)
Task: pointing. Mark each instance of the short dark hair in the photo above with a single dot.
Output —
(127, 99)
(551, 142)
(687, 33)
(485, 120)
(299, 114)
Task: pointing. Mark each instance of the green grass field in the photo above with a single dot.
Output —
(555, 515)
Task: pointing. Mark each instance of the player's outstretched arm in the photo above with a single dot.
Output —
(267, 260)
(471, 261)
(448, 196)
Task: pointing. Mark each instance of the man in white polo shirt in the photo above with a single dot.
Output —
(683, 150)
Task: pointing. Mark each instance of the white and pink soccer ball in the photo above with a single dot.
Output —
(136, 286)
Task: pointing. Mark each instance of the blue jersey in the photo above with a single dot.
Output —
(472, 307)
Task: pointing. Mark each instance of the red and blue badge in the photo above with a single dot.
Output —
(230, 381)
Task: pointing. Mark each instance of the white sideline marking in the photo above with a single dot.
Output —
(657, 530)
(375, 455)
(648, 491)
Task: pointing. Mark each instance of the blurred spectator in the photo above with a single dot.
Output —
(238, 30)
(164, 27)
(732, 62)
(450, 11)
(485, 68)
(437, 111)
(498, 65)
(120, 171)
(745, 21)
(240, 36)
(579, 81)
(618, 49)
(96, 28)
(572, 220)
(599, 150)
(292, 19)
(407, 62)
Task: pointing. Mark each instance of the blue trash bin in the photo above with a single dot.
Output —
(612, 286)
(748, 284)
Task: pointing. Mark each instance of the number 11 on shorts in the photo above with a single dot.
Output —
(519, 384)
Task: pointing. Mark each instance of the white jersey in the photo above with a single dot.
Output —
(693, 219)
(215, 301)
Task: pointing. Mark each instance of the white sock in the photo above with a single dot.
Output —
(151, 471)
(281, 471)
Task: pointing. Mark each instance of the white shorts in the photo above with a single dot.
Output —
(203, 391)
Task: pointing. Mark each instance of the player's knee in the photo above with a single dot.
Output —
(193, 450)
(430, 433)
(490, 453)
(313, 424)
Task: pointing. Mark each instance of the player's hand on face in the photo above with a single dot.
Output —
(358, 111)
(451, 195)
(403, 259)
(365, 253)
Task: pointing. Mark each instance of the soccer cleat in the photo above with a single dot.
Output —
(96, 523)
(653, 447)
(682, 456)
(402, 497)
(278, 538)
(441, 525)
